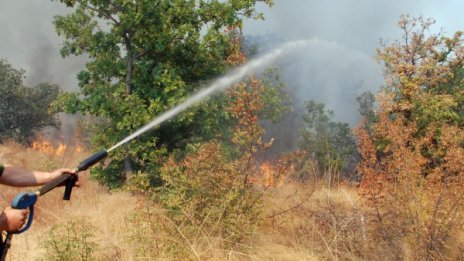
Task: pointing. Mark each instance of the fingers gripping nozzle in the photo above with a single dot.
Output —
(70, 179)
(83, 165)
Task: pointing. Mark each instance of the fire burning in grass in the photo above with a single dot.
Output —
(271, 176)
(276, 172)
(48, 148)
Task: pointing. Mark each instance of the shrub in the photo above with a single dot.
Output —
(70, 241)
(411, 155)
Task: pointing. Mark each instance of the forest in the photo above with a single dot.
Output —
(209, 183)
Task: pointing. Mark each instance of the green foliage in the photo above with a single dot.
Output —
(205, 196)
(145, 57)
(23, 109)
(209, 189)
(329, 143)
(276, 102)
(202, 207)
(70, 241)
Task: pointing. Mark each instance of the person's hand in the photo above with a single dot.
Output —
(60, 172)
(13, 219)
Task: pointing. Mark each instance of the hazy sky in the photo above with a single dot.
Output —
(336, 68)
(28, 41)
(359, 24)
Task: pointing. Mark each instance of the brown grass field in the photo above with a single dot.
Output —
(301, 221)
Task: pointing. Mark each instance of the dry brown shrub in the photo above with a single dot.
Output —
(411, 155)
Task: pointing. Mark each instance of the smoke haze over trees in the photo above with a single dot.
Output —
(30, 42)
(351, 28)
(341, 65)
(335, 72)
(23, 109)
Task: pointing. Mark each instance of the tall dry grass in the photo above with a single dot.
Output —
(105, 212)
(310, 220)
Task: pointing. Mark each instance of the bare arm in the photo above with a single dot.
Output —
(19, 177)
(13, 219)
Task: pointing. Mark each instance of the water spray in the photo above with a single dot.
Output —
(28, 199)
(220, 84)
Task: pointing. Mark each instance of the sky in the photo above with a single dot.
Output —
(28, 41)
(358, 24)
(337, 66)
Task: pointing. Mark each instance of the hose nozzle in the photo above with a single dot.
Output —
(90, 161)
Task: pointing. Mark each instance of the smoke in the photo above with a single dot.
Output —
(29, 42)
(334, 72)
(342, 64)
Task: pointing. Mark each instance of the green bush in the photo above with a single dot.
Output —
(331, 144)
(204, 204)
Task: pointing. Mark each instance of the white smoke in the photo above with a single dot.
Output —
(29, 41)
(342, 65)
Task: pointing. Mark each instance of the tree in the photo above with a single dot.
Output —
(210, 190)
(423, 96)
(145, 57)
(24, 110)
(366, 103)
(331, 144)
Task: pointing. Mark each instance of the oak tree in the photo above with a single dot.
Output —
(145, 57)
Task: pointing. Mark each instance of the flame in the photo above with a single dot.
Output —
(46, 147)
(79, 148)
(43, 146)
(60, 150)
(270, 176)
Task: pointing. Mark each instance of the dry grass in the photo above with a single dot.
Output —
(311, 222)
(105, 211)
(302, 222)
(290, 230)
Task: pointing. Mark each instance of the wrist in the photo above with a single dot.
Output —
(50, 176)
